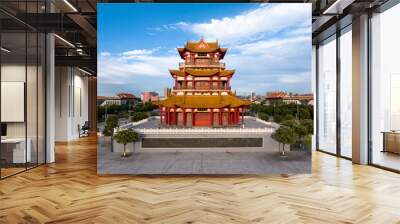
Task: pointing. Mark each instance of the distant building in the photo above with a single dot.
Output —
(289, 97)
(128, 98)
(167, 92)
(108, 100)
(253, 96)
(119, 99)
(149, 96)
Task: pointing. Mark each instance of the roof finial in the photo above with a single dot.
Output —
(201, 39)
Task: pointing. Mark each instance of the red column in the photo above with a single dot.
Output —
(184, 117)
(184, 83)
(175, 116)
(229, 116)
(212, 118)
(235, 117)
(176, 83)
(220, 118)
(232, 113)
(193, 117)
(169, 117)
(242, 115)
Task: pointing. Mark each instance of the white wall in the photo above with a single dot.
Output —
(71, 102)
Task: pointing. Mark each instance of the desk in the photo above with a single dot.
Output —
(391, 141)
(18, 150)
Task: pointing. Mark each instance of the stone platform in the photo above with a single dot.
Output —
(255, 136)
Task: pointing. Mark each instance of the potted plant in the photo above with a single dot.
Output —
(299, 129)
(111, 124)
(125, 136)
(286, 136)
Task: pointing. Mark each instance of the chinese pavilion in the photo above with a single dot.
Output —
(202, 93)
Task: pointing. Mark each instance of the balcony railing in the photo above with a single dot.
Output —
(193, 65)
(204, 90)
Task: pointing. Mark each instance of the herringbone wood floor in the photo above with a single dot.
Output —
(70, 191)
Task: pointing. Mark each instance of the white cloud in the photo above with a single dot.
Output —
(269, 47)
(105, 54)
(125, 67)
(264, 46)
(295, 78)
(268, 18)
(139, 52)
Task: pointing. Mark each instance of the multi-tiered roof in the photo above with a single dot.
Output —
(202, 64)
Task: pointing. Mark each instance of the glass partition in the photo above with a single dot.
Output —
(385, 89)
(22, 91)
(346, 92)
(327, 95)
(14, 153)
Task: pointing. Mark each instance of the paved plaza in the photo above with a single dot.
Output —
(201, 162)
(261, 160)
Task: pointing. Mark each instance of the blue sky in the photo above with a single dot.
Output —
(269, 45)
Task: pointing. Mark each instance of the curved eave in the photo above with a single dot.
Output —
(202, 72)
(204, 102)
(182, 51)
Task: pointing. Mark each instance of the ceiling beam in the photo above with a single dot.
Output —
(77, 61)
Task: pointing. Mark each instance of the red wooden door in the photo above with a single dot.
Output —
(202, 119)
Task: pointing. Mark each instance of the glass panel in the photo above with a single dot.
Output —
(32, 88)
(13, 86)
(31, 97)
(385, 84)
(346, 93)
(23, 90)
(327, 96)
(41, 98)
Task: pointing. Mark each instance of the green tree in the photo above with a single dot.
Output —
(287, 117)
(304, 113)
(144, 107)
(111, 124)
(300, 130)
(137, 116)
(125, 136)
(286, 136)
(309, 125)
(263, 116)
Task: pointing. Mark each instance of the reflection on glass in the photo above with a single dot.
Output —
(385, 84)
(15, 151)
(31, 97)
(22, 91)
(41, 99)
(346, 94)
(327, 96)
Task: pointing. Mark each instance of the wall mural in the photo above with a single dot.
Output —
(224, 89)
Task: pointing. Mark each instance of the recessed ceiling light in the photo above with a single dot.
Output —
(70, 5)
(84, 71)
(64, 40)
(5, 50)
